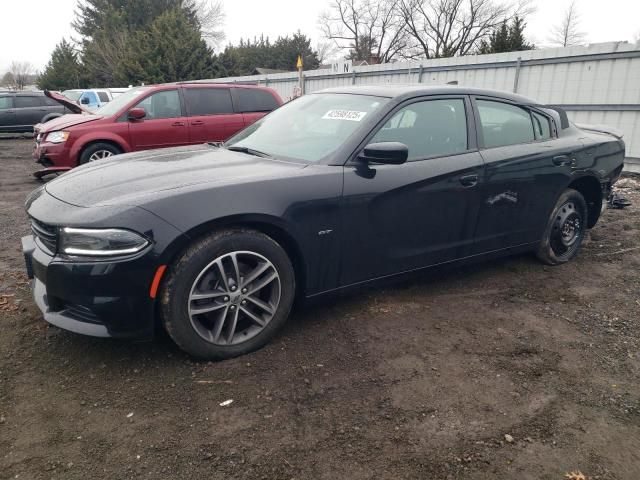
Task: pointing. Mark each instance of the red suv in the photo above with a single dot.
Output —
(154, 116)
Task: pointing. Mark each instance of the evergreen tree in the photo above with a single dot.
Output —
(506, 38)
(63, 70)
(248, 55)
(170, 50)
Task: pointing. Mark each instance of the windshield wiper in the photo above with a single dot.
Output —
(248, 150)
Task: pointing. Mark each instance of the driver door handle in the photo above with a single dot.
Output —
(469, 180)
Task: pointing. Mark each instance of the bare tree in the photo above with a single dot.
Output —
(211, 17)
(21, 73)
(368, 28)
(326, 52)
(567, 32)
(446, 28)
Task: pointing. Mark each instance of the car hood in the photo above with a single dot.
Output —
(67, 102)
(134, 178)
(65, 121)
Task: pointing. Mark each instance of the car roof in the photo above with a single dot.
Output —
(408, 91)
(27, 94)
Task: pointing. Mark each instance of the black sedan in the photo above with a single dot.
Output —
(333, 190)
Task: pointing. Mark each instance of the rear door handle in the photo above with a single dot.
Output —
(197, 122)
(177, 124)
(469, 180)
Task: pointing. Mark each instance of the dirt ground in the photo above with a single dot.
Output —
(504, 370)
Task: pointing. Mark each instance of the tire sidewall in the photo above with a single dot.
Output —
(176, 290)
(545, 251)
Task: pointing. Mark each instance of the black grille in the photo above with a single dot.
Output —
(46, 235)
(81, 313)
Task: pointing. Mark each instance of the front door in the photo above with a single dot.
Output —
(164, 124)
(399, 218)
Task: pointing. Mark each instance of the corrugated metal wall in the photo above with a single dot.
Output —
(598, 84)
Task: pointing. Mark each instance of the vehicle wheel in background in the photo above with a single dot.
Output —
(98, 151)
(566, 229)
(228, 294)
(50, 116)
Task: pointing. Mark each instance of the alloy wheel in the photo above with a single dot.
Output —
(234, 298)
(99, 155)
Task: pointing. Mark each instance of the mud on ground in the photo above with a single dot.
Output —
(505, 370)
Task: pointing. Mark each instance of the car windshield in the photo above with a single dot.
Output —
(309, 128)
(72, 94)
(115, 105)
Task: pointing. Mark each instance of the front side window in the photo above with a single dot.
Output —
(309, 128)
(208, 101)
(165, 104)
(6, 102)
(429, 128)
(541, 126)
(504, 124)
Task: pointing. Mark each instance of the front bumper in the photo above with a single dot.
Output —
(100, 299)
(52, 154)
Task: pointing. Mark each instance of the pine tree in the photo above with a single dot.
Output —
(171, 50)
(506, 38)
(63, 70)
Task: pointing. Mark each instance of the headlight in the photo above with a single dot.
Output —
(57, 137)
(100, 242)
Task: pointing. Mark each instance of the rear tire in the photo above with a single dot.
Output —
(214, 316)
(565, 230)
(98, 151)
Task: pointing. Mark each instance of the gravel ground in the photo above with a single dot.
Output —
(504, 370)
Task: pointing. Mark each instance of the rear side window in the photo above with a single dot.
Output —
(504, 124)
(103, 97)
(24, 102)
(6, 102)
(208, 101)
(541, 126)
(430, 128)
(253, 100)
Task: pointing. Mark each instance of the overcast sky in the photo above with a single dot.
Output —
(30, 29)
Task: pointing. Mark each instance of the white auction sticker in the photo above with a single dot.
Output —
(352, 115)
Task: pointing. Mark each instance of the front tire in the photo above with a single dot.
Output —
(565, 230)
(98, 151)
(228, 294)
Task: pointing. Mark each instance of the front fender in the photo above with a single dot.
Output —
(100, 136)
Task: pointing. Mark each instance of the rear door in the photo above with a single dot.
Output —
(211, 114)
(29, 109)
(7, 113)
(165, 123)
(518, 145)
(253, 103)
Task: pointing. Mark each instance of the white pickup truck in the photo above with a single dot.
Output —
(93, 98)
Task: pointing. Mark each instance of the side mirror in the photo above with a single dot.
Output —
(85, 101)
(137, 113)
(394, 153)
